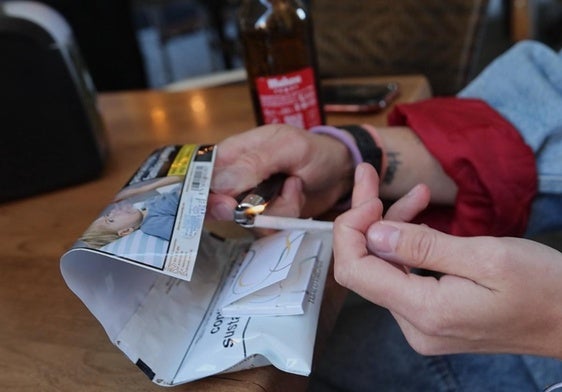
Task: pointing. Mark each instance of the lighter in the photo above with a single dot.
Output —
(254, 202)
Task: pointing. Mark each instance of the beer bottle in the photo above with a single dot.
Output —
(280, 59)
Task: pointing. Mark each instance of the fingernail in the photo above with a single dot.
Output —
(412, 191)
(359, 173)
(383, 238)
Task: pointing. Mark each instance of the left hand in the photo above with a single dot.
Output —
(319, 170)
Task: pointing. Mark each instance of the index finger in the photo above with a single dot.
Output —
(372, 277)
(355, 268)
(246, 159)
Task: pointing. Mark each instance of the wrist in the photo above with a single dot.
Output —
(362, 141)
(380, 144)
(363, 144)
(342, 136)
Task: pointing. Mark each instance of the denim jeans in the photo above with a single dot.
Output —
(546, 214)
(368, 352)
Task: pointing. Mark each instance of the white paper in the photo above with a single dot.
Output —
(172, 328)
(268, 261)
(174, 331)
(283, 297)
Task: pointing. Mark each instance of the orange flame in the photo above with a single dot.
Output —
(256, 210)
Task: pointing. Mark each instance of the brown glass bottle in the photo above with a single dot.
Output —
(280, 59)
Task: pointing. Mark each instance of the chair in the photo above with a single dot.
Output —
(105, 34)
(436, 38)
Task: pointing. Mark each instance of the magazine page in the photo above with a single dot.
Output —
(156, 220)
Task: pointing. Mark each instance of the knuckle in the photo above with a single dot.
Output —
(286, 132)
(341, 272)
(421, 247)
(289, 137)
(421, 342)
(437, 318)
(339, 222)
(432, 326)
(422, 346)
(499, 259)
(429, 347)
(250, 160)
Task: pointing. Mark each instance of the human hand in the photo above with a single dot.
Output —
(319, 169)
(494, 295)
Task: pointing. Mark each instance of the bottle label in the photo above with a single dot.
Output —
(290, 98)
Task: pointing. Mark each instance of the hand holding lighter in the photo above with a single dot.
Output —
(253, 202)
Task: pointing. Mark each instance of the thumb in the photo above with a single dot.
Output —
(419, 246)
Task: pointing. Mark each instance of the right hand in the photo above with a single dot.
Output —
(319, 169)
(498, 295)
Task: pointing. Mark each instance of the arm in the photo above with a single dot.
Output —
(481, 174)
(495, 295)
(410, 163)
(493, 168)
(320, 169)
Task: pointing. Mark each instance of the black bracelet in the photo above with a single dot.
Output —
(367, 146)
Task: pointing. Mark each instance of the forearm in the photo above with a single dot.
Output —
(408, 163)
(485, 156)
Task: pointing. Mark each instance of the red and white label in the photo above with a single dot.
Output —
(289, 98)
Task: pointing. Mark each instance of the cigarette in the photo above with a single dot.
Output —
(283, 223)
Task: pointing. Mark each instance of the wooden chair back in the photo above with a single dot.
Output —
(437, 38)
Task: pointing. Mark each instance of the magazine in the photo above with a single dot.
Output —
(184, 303)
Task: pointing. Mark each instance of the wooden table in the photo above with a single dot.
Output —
(49, 341)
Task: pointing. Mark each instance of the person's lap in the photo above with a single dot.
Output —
(546, 215)
(368, 352)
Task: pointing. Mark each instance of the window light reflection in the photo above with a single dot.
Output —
(197, 103)
(159, 116)
(199, 109)
(160, 123)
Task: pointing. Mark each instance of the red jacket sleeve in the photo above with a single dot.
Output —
(486, 157)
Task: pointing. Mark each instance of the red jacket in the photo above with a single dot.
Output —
(486, 157)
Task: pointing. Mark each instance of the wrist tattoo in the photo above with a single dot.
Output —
(394, 161)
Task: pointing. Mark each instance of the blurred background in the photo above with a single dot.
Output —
(137, 44)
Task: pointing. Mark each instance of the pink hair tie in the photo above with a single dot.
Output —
(363, 143)
(343, 137)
